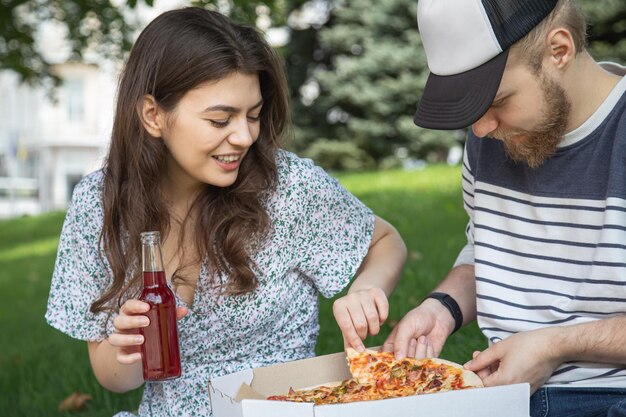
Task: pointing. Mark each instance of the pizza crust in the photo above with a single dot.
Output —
(327, 384)
(470, 379)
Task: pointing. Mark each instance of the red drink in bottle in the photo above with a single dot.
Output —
(159, 352)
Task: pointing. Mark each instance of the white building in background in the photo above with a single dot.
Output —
(47, 145)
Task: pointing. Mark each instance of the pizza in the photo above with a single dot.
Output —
(378, 375)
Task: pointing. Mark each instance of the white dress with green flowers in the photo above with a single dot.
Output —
(320, 235)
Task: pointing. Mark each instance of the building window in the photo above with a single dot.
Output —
(75, 99)
(72, 181)
(4, 171)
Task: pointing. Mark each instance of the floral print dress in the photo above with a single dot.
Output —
(320, 235)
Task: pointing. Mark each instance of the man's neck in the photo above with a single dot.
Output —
(587, 86)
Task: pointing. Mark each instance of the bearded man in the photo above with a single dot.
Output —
(544, 184)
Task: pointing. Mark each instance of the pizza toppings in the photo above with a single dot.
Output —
(378, 375)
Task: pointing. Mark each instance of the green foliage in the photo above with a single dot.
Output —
(375, 74)
(339, 156)
(41, 366)
(607, 28)
(367, 59)
(95, 25)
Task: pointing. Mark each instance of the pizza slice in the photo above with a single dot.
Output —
(378, 375)
(383, 370)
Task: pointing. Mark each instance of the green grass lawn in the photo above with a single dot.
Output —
(40, 366)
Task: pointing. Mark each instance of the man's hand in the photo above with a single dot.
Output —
(524, 357)
(422, 332)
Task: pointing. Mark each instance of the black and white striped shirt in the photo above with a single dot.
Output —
(549, 244)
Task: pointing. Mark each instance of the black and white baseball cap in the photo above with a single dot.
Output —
(467, 44)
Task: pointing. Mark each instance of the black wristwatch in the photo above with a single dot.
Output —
(452, 306)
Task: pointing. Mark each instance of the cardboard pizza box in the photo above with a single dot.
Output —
(243, 394)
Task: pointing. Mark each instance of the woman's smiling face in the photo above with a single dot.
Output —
(211, 130)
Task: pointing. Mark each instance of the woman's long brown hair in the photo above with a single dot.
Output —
(178, 51)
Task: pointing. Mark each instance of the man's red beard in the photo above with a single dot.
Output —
(534, 147)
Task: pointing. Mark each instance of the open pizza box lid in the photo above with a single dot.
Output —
(242, 394)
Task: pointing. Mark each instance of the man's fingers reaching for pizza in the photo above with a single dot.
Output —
(421, 347)
(389, 342)
(485, 363)
(403, 338)
(430, 350)
(414, 325)
(481, 360)
(412, 348)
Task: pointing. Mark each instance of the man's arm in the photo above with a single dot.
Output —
(460, 284)
(533, 356)
(598, 341)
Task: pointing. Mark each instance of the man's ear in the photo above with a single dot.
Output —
(561, 48)
(151, 115)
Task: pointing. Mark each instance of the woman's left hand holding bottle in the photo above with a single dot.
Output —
(127, 323)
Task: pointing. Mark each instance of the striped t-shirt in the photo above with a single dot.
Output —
(549, 244)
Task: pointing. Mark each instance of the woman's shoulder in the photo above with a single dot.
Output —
(90, 184)
(87, 194)
(292, 167)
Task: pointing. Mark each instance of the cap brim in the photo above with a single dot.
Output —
(457, 101)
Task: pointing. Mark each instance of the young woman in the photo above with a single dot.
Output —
(251, 233)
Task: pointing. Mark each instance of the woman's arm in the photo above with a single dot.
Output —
(365, 308)
(110, 373)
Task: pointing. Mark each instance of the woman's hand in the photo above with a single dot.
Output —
(360, 313)
(127, 338)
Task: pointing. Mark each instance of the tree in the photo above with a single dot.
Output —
(373, 71)
(96, 24)
(91, 25)
(607, 28)
(366, 60)
(375, 75)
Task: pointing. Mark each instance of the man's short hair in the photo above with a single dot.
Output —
(566, 14)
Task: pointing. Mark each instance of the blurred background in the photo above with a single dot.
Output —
(355, 69)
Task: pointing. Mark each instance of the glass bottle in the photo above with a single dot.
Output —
(159, 352)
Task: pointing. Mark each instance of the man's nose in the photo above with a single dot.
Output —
(485, 125)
